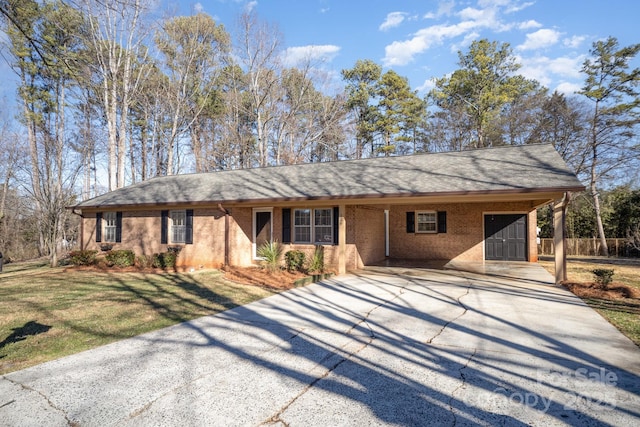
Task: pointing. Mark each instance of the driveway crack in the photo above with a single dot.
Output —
(446, 325)
(46, 399)
(463, 383)
(276, 419)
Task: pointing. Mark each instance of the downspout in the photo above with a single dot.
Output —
(73, 211)
(386, 232)
(226, 233)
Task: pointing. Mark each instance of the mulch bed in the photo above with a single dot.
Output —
(613, 291)
(281, 279)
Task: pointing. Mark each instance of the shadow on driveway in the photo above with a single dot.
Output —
(408, 346)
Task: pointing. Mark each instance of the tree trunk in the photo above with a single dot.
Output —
(604, 249)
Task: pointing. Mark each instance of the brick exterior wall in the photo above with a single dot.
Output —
(464, 239)
(369, 233)
(365, 237)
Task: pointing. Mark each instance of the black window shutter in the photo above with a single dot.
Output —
(118, 227)
(411, 220)
(98, 227)
(164, 229)
(286, 225)
(188, 238)
(336, 224)
(442, 221)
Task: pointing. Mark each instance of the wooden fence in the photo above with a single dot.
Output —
(589, 247)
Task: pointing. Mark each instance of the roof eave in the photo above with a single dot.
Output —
(356, 198)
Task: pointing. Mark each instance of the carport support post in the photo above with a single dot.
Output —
(342, 240)
(559, 242)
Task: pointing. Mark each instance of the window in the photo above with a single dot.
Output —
(178, 226)
(313, 226)
(110, 226)
(302, 225)
(323, 230)
(426, 222)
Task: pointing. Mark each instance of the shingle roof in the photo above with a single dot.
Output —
(525, 168)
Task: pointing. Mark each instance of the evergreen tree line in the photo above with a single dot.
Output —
(110, 95)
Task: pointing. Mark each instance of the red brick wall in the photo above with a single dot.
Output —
(141, 234)
(364, 242)
(369, 223)
(464, 239)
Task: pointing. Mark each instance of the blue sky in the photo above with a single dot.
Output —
(419, 39)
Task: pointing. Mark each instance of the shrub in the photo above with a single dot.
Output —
(165, 260)
(270, 253)
(294, 260)
(120, 258)
(316, 264)
(144, 261)
(85, 257)
(604, 276)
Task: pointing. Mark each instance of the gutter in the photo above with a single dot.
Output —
(363, 197)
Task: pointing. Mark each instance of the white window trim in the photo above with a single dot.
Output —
(435, 222)
(106, 217)
(310, 227)
(171, 226)
(313, 226)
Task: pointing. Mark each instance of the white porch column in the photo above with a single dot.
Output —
(342, 240)
(559, 242)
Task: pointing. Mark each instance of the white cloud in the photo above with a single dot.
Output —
(471, 21)
(544, 69)
(313, 53)
(540, 39)
(393, 20)
(517, 7)
(527, 25)
(574, 41)
(402, 52)
(568, 88)
(466, 42)
(426, 86)
(445, 8)
(197, 8)
(250, 6)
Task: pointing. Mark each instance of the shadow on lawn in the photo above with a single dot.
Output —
(28, 329)
(370, 341)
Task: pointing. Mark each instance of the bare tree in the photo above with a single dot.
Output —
(117, 41)
(194, 49)
(11, 154)
(258, 54)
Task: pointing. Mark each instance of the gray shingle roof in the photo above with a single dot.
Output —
(529, 168)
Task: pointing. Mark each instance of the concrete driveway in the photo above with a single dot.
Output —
(385, 346)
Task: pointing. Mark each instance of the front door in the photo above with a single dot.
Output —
(262, 228)
(505, 237)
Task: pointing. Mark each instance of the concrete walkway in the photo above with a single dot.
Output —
(386, 346)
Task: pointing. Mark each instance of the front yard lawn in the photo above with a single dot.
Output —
(49, 313)
(618, 302)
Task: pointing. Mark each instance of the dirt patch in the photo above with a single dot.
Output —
(281, 279)
(613, 291)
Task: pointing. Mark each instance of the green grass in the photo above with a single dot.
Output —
(623, 313)
(49, 313)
